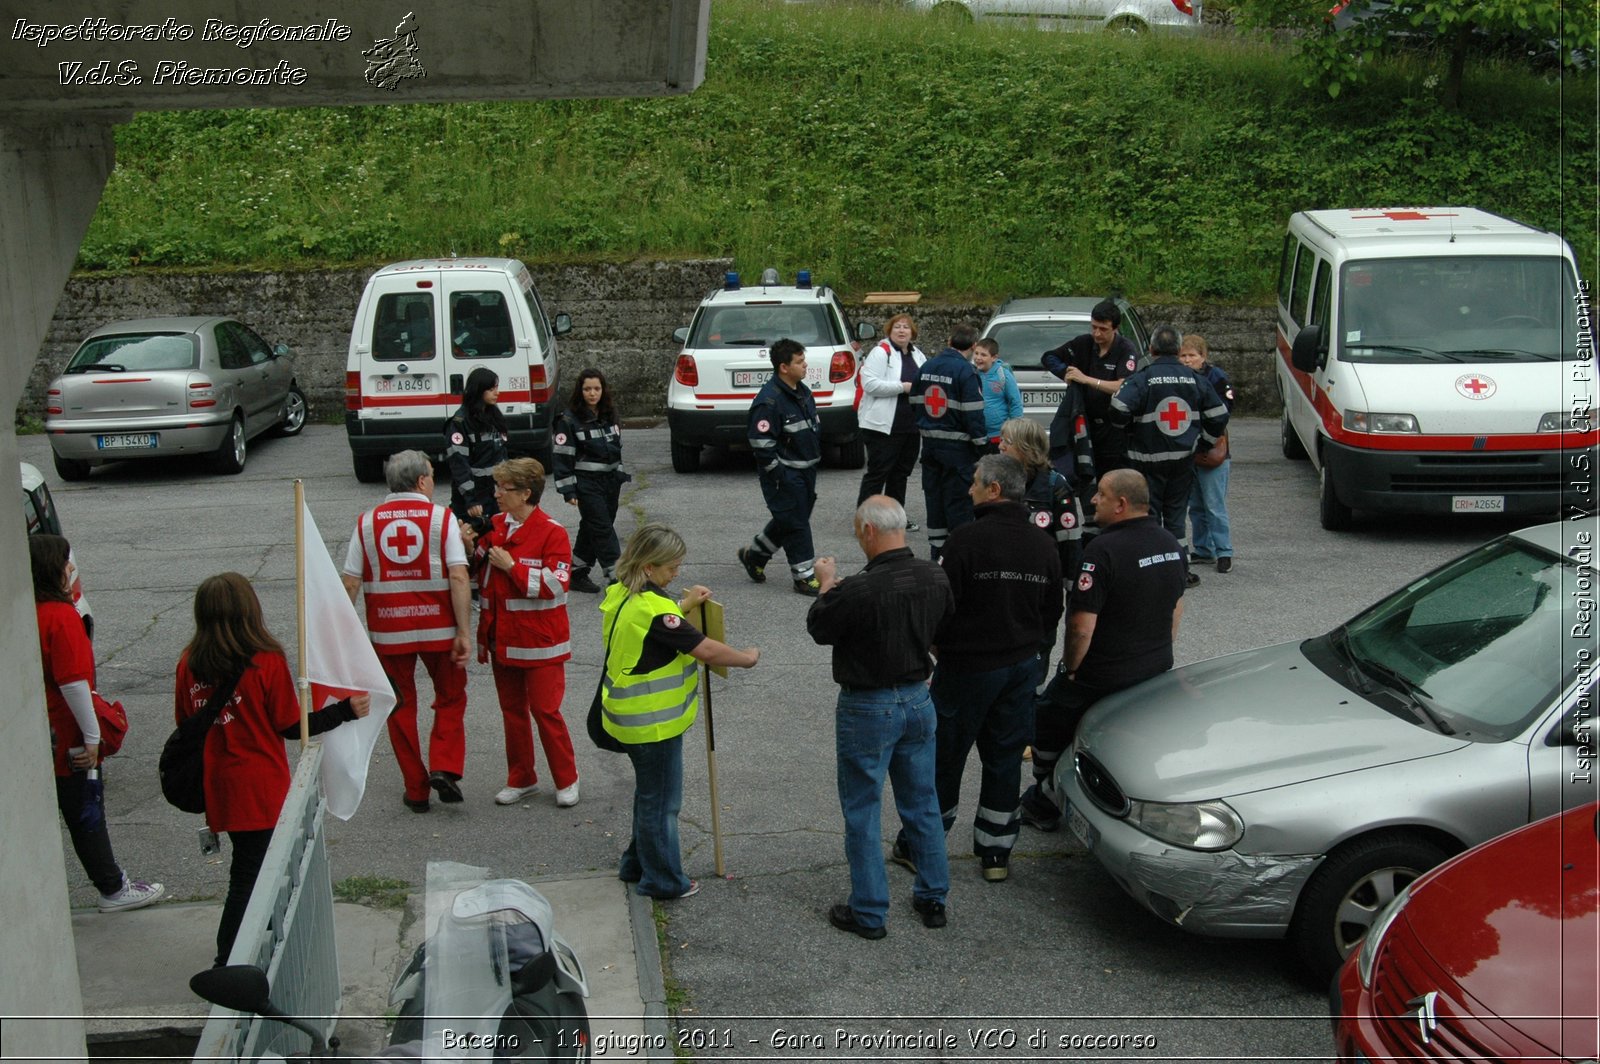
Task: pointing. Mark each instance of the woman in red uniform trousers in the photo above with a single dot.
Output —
(75, 729)
(247, 770)
(527, 566)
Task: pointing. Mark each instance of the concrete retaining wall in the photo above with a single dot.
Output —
(622, 314)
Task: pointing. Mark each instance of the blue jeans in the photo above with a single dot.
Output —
(993, 709)
(1208, 513)
(653, 859)
(888, 732)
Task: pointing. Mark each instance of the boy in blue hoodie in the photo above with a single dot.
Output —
(1002, 399)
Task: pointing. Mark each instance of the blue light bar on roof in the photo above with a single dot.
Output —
(802, 279)
(730, 281)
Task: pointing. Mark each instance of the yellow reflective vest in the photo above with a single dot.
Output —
(644, 707)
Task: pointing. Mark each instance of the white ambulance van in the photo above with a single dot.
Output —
(421, 327)
(1423, 355)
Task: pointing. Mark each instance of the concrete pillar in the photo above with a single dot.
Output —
(50, 182)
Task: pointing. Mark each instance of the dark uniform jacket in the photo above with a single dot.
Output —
(1056, 509)
(471, 455)
(948, 397)
(1118, 361)
(1170, 409)
(782, 427)
(1006, 578)
(1071, 453)
(583, 445)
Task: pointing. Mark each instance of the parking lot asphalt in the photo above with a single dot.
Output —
(1054, 963)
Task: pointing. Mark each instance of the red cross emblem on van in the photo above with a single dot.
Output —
(1476, 386)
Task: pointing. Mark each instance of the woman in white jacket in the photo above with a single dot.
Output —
(888, 424)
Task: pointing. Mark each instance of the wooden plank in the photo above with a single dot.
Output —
(892, 297)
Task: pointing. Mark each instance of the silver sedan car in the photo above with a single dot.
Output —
(1116, 16)
(1292, 791)
(159, 387)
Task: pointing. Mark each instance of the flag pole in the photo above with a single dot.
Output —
(302, 682)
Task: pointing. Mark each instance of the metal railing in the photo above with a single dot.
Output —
(287, 931)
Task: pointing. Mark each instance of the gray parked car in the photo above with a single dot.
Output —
(159, 387)
(1117, 16)
(1294, 790)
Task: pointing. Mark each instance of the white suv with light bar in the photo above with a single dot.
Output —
(723, 364)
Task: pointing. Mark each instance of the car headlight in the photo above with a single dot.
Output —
(1368, 956)
(1192, 825)
(1366, 421)
(1567, 421)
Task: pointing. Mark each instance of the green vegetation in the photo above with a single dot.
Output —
(882, 149)
(373, 891)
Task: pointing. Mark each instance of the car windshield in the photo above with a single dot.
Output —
(760, 325)
(1476, 645)
(137, 351)
(1480, 309)
(1022, 342)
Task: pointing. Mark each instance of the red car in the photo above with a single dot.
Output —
(1494, 955)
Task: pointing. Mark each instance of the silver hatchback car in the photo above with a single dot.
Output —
(1294, 790)
(159, 387)
(1116, 16)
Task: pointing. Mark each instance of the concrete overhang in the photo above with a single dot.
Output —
(88, 57)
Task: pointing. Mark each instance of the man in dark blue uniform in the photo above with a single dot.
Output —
(1097, 361)
(948, 398)
(782, 429)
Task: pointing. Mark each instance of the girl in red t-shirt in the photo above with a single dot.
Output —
(74, 729)
(247, 770)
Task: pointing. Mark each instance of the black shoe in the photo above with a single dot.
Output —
(1225, 565)
(1038, 812)
(912, 526)
(844, 918)
(1191, 579)
(810, 587)
(932, 912)
(757, 571)
(995, 869)
(417, 805)
(580, 582)
(1200, 559)
(445, 783)
(901, 855)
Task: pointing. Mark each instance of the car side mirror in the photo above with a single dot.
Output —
(281, 350)
(865, 330)
(240, 987)
(1307, 353)
(681, 335)
(562, 324)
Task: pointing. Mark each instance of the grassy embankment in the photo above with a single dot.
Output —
(882, 149)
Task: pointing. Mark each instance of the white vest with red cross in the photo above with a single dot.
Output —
(404, 578)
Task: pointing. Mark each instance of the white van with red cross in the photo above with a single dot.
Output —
(1427, 360)
(421, 327)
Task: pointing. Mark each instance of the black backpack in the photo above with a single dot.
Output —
(183, 758)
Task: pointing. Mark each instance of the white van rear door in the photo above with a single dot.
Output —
(483, 322)
(398, 343)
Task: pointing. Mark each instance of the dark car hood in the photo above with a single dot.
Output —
(1517, 918)
(1245, 722)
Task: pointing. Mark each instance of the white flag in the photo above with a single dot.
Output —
(340, 662)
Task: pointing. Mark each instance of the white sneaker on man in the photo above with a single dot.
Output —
(513, 795)
(567, 797)
(133, 894)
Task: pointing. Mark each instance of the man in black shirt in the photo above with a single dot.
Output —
(1097, 361)
(880, 624)
(1005, 574)
(1122, 620)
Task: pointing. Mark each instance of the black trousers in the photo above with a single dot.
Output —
(891, 456)
(599, 495)
(1056, 714)
(1170, 483)
(92, 845)
(249, 850)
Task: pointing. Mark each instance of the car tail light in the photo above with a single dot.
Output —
(538, 384)
(201, 395)
(841, 367)
(1184, 6)
(687, 373)
(52, 401)
(352, 391)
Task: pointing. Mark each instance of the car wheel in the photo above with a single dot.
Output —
(232, 451)
(70, 468)
(852, 455)
(1289, 440)
(1127, 26)
(294, 413)
(1346, 894)
(685, 457)
(369, 467)
(952, 11)
(1335, 515)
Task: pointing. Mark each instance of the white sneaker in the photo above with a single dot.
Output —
(513, 795)
(567, 797)
(134, 894)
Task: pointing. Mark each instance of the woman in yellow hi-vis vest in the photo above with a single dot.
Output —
(650, 696)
